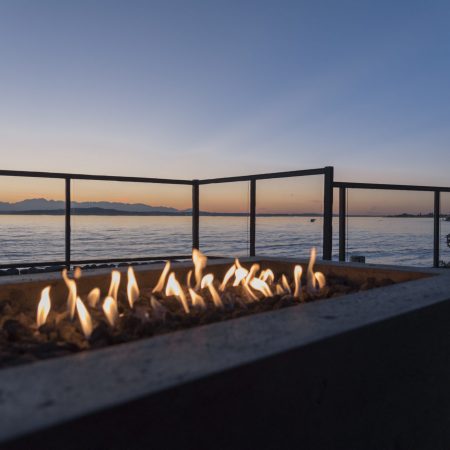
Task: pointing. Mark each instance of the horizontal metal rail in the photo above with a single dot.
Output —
(327, 172)
(344, 186)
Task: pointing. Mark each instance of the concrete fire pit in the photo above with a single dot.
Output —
(370, 370)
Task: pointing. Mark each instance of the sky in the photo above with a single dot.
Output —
(198, 89)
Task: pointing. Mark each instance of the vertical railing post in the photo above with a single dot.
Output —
(68, 225)
(342, 224)
(437, 231)
(195, 214)
(328, 213)
(252, 217)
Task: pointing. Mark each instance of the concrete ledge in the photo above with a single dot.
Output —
(367, 368)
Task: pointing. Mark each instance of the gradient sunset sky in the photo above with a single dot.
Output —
(197, 89)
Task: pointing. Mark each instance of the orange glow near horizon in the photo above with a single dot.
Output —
(295, 195)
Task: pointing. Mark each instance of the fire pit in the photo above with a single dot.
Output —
(235, 384)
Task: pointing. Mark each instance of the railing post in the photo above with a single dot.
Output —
(252, 217)
(195, 214)
(437, 231)
(328, 213)
(342, 224)
(68, 225)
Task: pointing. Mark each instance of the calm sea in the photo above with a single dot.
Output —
(406, 241)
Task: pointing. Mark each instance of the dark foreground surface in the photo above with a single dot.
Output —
(384, 386)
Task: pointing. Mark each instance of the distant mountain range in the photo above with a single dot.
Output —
(42, 206)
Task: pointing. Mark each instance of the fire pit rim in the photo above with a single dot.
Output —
(42, 394)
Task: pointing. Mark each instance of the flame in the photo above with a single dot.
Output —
(110, 310)
(93, 297)
(197, 299)
(72, 298)
(285, 283)
(85, 318)
(77, 273)
(44, 306)
(114, 286)
(158, 309)
(132, 287)
(321, 280)
(297, 280)
(207, 281)
(189, 279)
(174, 288)
(226, 278)
(237, 263)
(261, 286)
(267, 276)
(279, 290)
(162, 279)
(200, 261)
(252, 273)
(239, 275)
(311, 280)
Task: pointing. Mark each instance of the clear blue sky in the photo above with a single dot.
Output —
(205, 88)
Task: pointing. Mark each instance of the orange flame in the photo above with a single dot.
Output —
(250, 295)
(85, 318)
(226, 278)
(93, 297)
(267, 276)
(44, 306)
(261, 286)
(285, 283)
(174, 288)
(311, 280)
(297, 280)
(239, 275)
(197, 299)
(321, 280)
(110, 310)
(279, 290)
(132, 287)
(200, 261)
(162, 279)
(114, 286)
(77, 273)
(207, 281)
(72, 298)
(252, 273)
(189, 279)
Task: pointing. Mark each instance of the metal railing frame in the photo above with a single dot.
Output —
(327, 172)
(344, 186)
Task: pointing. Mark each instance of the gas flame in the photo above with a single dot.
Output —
(200, 261)
(285, 283)
(239, 275)
(72, 298)
(310, 278)
(253, 270)
(44, 306)
(162, 279)
(85, 318)
(279, 290)
(207, 281)
(267, 276)
(226, 278)
(249, 293)
(110, 310)
(114, 286)
(189, 279)
(197, 299)
(174, 288)
(93, 297)
(77, 273)
(261, 286)
(132, 287)
(321, 280)
(297, 280)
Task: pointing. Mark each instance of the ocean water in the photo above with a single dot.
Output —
(404, 241)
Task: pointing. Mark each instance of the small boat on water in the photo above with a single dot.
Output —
(312, 220)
